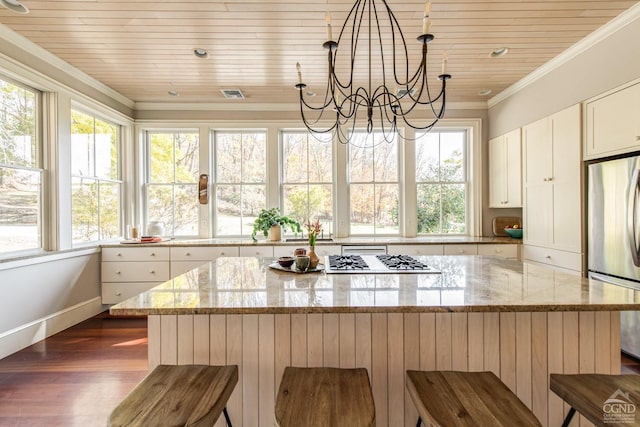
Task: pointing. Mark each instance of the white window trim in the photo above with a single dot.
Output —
(406, 159)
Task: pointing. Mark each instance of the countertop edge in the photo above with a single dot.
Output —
(528, 308)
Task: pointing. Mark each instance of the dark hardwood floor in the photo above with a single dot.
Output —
(76, 377)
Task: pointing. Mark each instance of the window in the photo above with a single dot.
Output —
(241, 180)
(172, 191)
(21, 171)
(441, 182)
(95, 179)
(307, 187)
(373, 185)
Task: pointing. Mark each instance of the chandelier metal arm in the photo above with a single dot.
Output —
(380, 104)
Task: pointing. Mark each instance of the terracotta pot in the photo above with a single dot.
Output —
(313, 258)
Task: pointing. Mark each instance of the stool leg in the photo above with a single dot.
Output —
(419, 422)
(567, 420)
(226, 416)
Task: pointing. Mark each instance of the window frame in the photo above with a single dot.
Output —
(120, 181)
(146, 177)
(282, 183)
(213, 179)
(40, 168)
(441, 184)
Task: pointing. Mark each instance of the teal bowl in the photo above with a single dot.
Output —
(516, 233)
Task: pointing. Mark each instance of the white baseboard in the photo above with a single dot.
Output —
(23, 336)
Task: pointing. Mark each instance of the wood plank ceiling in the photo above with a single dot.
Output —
(144, 49)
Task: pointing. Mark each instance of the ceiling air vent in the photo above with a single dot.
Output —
(232, 93)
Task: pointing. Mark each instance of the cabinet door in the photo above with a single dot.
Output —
(260, 251)
(567, 224)
(499, 250)
(463, 249)
(538, 152)
(513, 161)
(497, 172)
(538, 169)
(415, 249)
(612, 123)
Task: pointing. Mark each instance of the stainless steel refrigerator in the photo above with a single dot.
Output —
(613, 234)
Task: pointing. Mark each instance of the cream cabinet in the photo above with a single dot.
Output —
(415, 249)
(127, 271)
(505, 171)
(612, 123)
(262, 251)
(461, 249)
(552, 182)
(185, 258)
(502, 250)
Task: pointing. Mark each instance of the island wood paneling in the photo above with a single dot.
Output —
(521, 348)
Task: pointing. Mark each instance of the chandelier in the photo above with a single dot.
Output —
(382, 100)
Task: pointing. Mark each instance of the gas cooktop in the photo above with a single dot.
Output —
(375, 264)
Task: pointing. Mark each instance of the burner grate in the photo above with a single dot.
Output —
(347, 262)
(401, 262)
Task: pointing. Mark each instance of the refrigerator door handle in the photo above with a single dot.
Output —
(631, 217)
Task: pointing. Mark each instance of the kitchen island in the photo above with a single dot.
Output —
(519, 320)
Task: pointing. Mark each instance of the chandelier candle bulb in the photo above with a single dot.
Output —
(299, 69)
(426, 22)
(445, 59)
(329, 33)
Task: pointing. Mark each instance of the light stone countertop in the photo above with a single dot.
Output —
(389, 240)
(246, 285)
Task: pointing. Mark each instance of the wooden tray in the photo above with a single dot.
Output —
(500, 222)
(293, 269)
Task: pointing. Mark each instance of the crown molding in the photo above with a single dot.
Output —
(247, 106)
(611, 27)
(28, 46)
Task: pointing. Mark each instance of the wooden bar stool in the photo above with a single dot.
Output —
(605, 400)
(187, 395)
(450, 399)
(325, 397)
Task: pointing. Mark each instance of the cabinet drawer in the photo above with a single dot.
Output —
(415, 249)
(499, 250)
(568, 260)
(266, 251)
(113, 293)
(466, 249)
(205, 253)
(135, 254)
(135, 271)
(181, 267)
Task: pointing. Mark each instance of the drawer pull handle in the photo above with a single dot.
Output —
(118, 254)
(117, 272)
(188, 254)
(118, 294)
(548, 257)
(152, 271)
(222, 253)
(153, 254)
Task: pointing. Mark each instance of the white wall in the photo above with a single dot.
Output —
(607, 64)
(44, 295)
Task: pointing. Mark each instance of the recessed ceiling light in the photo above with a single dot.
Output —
(174, 93)
(484, 92)
(200, 53)
(15, 6)
(499, 52)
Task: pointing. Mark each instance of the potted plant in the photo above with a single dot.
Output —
(271, 223)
